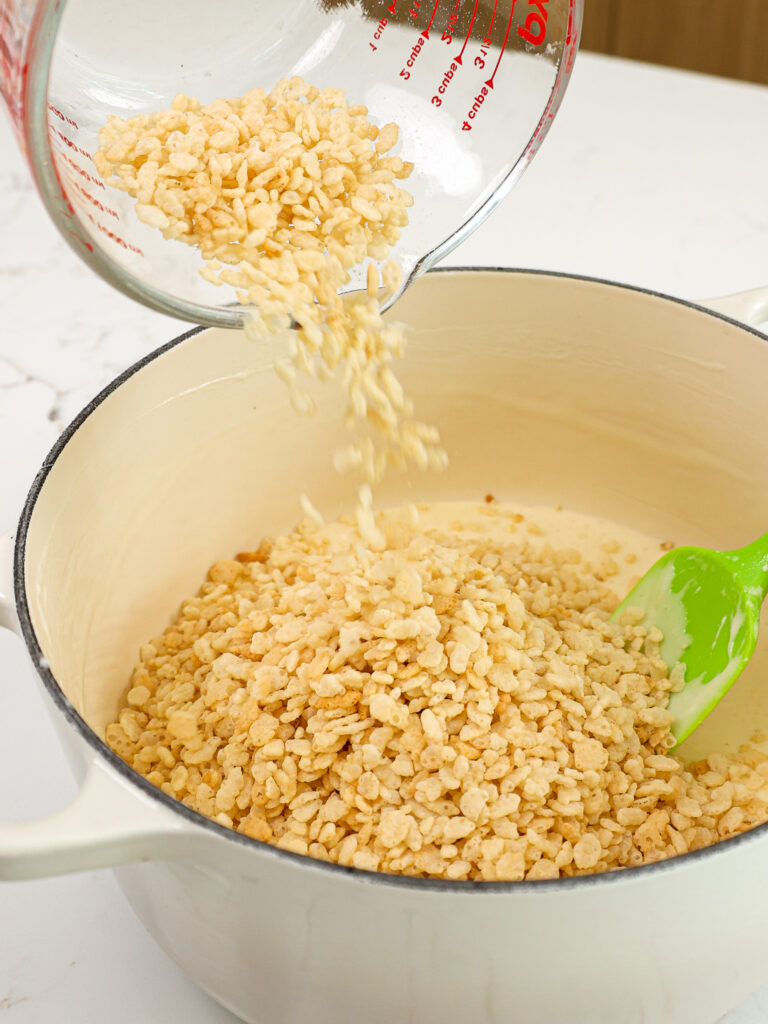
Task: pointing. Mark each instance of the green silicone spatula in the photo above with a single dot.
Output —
(707, 605)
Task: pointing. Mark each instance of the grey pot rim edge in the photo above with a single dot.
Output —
(62, 703)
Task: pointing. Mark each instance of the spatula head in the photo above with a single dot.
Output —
(710, 620)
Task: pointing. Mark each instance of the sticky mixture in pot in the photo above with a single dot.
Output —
(441, 696)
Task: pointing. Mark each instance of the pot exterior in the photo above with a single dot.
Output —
(76, 751)
(278, 943)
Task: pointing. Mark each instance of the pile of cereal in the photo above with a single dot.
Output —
(439, 704)
(284, 193)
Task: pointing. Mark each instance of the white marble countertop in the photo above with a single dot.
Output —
(649, 176)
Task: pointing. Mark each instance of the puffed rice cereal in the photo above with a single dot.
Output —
(284, 193)
(442, 704)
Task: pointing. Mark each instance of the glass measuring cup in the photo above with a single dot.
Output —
(472, 84)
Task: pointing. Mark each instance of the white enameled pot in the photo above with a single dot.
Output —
(556, 389)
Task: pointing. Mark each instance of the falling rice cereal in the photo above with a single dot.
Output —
(284, 194)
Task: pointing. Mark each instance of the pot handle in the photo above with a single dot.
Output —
(108, 823)
(750, 307)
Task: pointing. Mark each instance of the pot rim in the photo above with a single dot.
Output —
(130, 775)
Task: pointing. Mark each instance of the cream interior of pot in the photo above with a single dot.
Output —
(546, 390)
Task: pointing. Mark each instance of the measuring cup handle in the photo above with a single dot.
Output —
(750, 307)
(108, 823)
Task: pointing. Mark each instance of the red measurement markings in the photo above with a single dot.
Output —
(471, 23)
(79, 170)
(534, 31)
(113, 236)
(67, 207)
(447, 36)
(479, 100)
(415, 51)
(425, 33)
(493, 17)
(62, 117)
(414, 10)
(68, 210)
(485, 46)
(489, 81)
(96, 202)
(447, 79)
(571, 39)
(78, 237)
(569, 53)
(71, 144)
(378, 33)
(485, 91)
(392, 8)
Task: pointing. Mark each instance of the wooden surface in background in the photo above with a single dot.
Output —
(718, 37)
